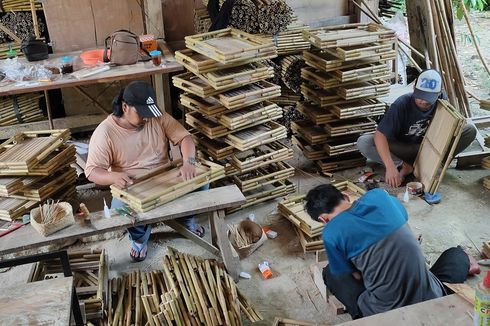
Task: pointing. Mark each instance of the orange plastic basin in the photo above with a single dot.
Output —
(91, 57)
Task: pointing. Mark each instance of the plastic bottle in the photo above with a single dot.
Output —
(482, 302)
(265, 270)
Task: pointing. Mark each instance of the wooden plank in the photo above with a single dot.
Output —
(448, 310)
(229, 255)
(191, 236)
(190, 204)
(47, 301)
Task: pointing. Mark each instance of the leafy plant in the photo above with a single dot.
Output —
(469, 4)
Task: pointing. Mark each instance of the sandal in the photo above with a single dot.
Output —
(199, 231)
(140, 244)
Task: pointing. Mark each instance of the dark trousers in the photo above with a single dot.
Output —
(451, 267)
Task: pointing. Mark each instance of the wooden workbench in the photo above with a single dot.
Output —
(213, 201)
(448, 310)
(38, 303)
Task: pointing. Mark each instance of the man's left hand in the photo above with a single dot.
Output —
(187, 171)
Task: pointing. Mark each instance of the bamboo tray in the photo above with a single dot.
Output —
(309, 244)
(250, 116)
(20, 109)
(265, 193)
(287, 98)
(24, 150)
(200, 64)
(363, 72)
(320, 96)
(293, 209)
(261, 156)
(256, 136)
(230, 45)
(263, 176)
(39, 189)
(311, 152)
(328, 62)
(164, 184)
(348, 35)
(328, 80)
(341, 145)
(341, 162)
(193, 84)
(358, 109)
(207, 126)
(350, 127)
(215, 148)
(290, 41)
(316, 114)
(310, 132)
(13, 208)
(208, 106)
(381, 50)
(90, 274)
(249, 95)
(374, 88)
(10, 185)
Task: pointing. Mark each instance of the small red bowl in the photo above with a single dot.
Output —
(91, 57)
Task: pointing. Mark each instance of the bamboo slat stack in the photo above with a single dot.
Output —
(20, 109)
(35, 166)
(187, 291)
(19, 5)
(90, 274)
(309, 231)
(202, 21)
(347, 72)
(239, 119)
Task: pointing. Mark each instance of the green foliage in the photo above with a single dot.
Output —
(469, 4)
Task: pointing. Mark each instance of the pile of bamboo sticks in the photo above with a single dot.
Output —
(188, 291)
(19, 5)
(90, 274)
(273, 16)
(244, 16)
(347, 72)
(20, 109)
(291, 71)
(235, 117)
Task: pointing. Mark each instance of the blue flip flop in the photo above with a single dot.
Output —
(139, 245)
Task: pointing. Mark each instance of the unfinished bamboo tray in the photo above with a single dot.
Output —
(350, 127)
(41, 188)
(20, 109)
(256, 136)
(311, 152)
(318, 115)
(164, 184)
(348, 35)
(438, 146)
(341, 145)
(90, 274)
(320, 96)
(363, 72)
(293, 209)
(206, 125)
(13, 208)
(24, 150)
(251, 115)
(310, 132)
(341, 162)
(261, 156)
(263, 176)
(290, 41)
(230, 45)
(359, 109)
(381, 50)
(209, 106)
(287, 98)
(215, 148)
(328, 62)
(249, 95)
(358, 90)
(328, 80)
(200, 64)
(309, 244)
(193, 84)
(265, 193)
(9, 185)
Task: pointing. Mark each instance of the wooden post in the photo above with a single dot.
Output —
(415, 23)
(34, 19)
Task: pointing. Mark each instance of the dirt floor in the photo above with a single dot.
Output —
(461, 218)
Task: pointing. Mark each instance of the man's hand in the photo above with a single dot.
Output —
(187, 171)
(392, 176)
(121, 179)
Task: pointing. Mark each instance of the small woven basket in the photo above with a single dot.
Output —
(50, 228)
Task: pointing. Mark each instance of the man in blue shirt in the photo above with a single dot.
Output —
(375, 261)
(396, 142)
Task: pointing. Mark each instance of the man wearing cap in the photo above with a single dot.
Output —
(396, 142)
(133, 139)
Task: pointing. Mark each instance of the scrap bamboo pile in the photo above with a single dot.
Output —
(188, 291)
(231, 111)
(347, 71)
(309, 231)
(90, 274)
(20, 109)
(35, 166)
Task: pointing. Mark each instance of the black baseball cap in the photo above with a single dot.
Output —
(142, 96)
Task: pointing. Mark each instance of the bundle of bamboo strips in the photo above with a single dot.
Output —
(202, 21)
(273, 16)
(19, 5)
(291, 71)
(244, 16)
(20, 109)
(188, 291)
(21, 24)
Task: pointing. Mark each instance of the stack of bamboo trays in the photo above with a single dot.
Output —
(90, 274)
(290, 41)
(347, 70)
(188, 291)
(19, 5)
(35, 166)
(232, 113)
(20, 109)
(309, 231)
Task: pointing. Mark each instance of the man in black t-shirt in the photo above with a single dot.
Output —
(396, 142)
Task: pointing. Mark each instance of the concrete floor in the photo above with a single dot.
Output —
(464, 214)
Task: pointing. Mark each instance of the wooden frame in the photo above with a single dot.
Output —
(341, 162)
(206, 125)
(230, 45)
(310, 132)
(163, 184)
(350, 127)
(318, 115)
(256, 136)
(328, 80)
(341, 145)
(249, 95)
(358, 109)
(375, 88)
(309, 244)
(438, 146)
(261, 156)
(263, 175)
(13, 208)
(328, 62)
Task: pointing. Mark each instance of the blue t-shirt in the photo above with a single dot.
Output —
(405, 122)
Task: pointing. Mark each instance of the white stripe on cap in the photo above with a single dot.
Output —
(152, 109)
(155, 110)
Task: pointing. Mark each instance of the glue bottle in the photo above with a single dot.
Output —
(265, 270)
(482, 302)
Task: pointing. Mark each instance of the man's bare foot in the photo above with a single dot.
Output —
(405, 170)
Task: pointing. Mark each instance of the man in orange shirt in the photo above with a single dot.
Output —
(134, 138)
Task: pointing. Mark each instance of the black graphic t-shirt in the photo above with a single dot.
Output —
(405, 122)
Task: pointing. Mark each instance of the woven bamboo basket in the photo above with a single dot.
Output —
(50, 228)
